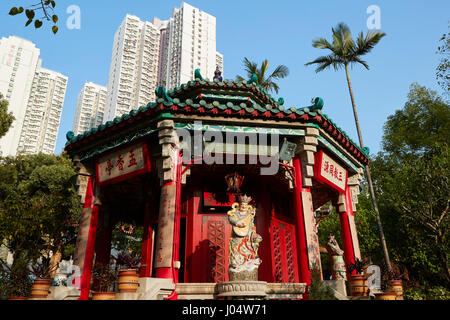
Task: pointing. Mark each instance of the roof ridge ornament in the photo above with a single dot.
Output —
(162, 93)
(253, 79)
(317, 104)
(197, 75)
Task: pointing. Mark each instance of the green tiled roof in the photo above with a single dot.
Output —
(227, 99)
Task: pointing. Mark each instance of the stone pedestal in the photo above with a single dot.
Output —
(244, 289)
(244, 275)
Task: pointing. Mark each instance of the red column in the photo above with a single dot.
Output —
(167, 241)
(349, 242)
(146, 253)
(84, 252)
(299, 221)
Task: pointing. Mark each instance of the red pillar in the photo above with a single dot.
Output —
(299, 221)
(349, 241)
(84, 252)
(167, 242)
(147, 245)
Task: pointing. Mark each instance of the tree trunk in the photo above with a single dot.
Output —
(369, 178)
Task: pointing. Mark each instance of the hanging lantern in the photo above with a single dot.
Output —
(234, 182)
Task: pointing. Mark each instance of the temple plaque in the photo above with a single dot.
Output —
(330, 172)
(123, 164)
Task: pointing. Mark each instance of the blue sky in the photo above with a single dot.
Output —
(281, 31)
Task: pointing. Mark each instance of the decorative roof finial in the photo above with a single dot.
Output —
(161, 93)
(254, 78)
(317, 104)
(197, 74)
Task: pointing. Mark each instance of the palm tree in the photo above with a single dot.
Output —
(346, 52)
(268, 83)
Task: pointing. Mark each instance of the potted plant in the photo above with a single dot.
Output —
(42, 271)
(104, 278)
(358, 281)
(18, 281)
(395, 282)
(128, 277)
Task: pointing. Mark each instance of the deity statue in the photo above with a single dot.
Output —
(218, 74)
(336, 258)
(244, 241)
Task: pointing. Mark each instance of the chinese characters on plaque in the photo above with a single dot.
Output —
(330, 172)
(122, 163)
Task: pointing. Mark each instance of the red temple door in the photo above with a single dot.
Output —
(283, 251)
(216, 232)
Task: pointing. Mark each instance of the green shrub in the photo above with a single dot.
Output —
(438, 293)
(413, 294)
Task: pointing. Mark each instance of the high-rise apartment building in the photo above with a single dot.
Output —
(18, 63)
(134, 67)
(90, 108)
(192, 45)
(43, 114)
(147, 55)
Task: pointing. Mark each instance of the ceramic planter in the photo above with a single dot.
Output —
(128, 280)
(103, 296)
(40, 288)
(358, 285)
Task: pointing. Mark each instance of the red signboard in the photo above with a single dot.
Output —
(330, 172)
(122, 164)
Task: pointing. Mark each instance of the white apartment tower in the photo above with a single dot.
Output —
(161, 53)
(18, 64)
(35, 95)
(43, 115)
(134, 67)
(192, 45)
(90, 108)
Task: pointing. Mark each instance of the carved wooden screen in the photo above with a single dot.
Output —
(283, 251)
(216, 233)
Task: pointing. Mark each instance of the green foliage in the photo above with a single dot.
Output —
(419, 126)
(47, 8)
(15, 280)
(39, 206)
(6, 119)
(412, 183)
(442, 70)
(438, 293)
(125, 242)
(318, 290)
(414, 294)
(267, 82)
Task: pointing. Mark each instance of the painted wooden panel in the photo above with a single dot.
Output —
(283, 251)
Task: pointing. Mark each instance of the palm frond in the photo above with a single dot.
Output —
(364, 44)
(250, 67)
(280, 72)
(357, 59)
(325, 62)
(322, 43)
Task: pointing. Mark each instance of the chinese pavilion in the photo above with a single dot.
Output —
(164, 165)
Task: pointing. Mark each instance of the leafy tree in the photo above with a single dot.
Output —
(442, 70)
(6, 119)
(39, 206)
(412, 177)
(267, 82)
(344, 53)
(47, 8)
